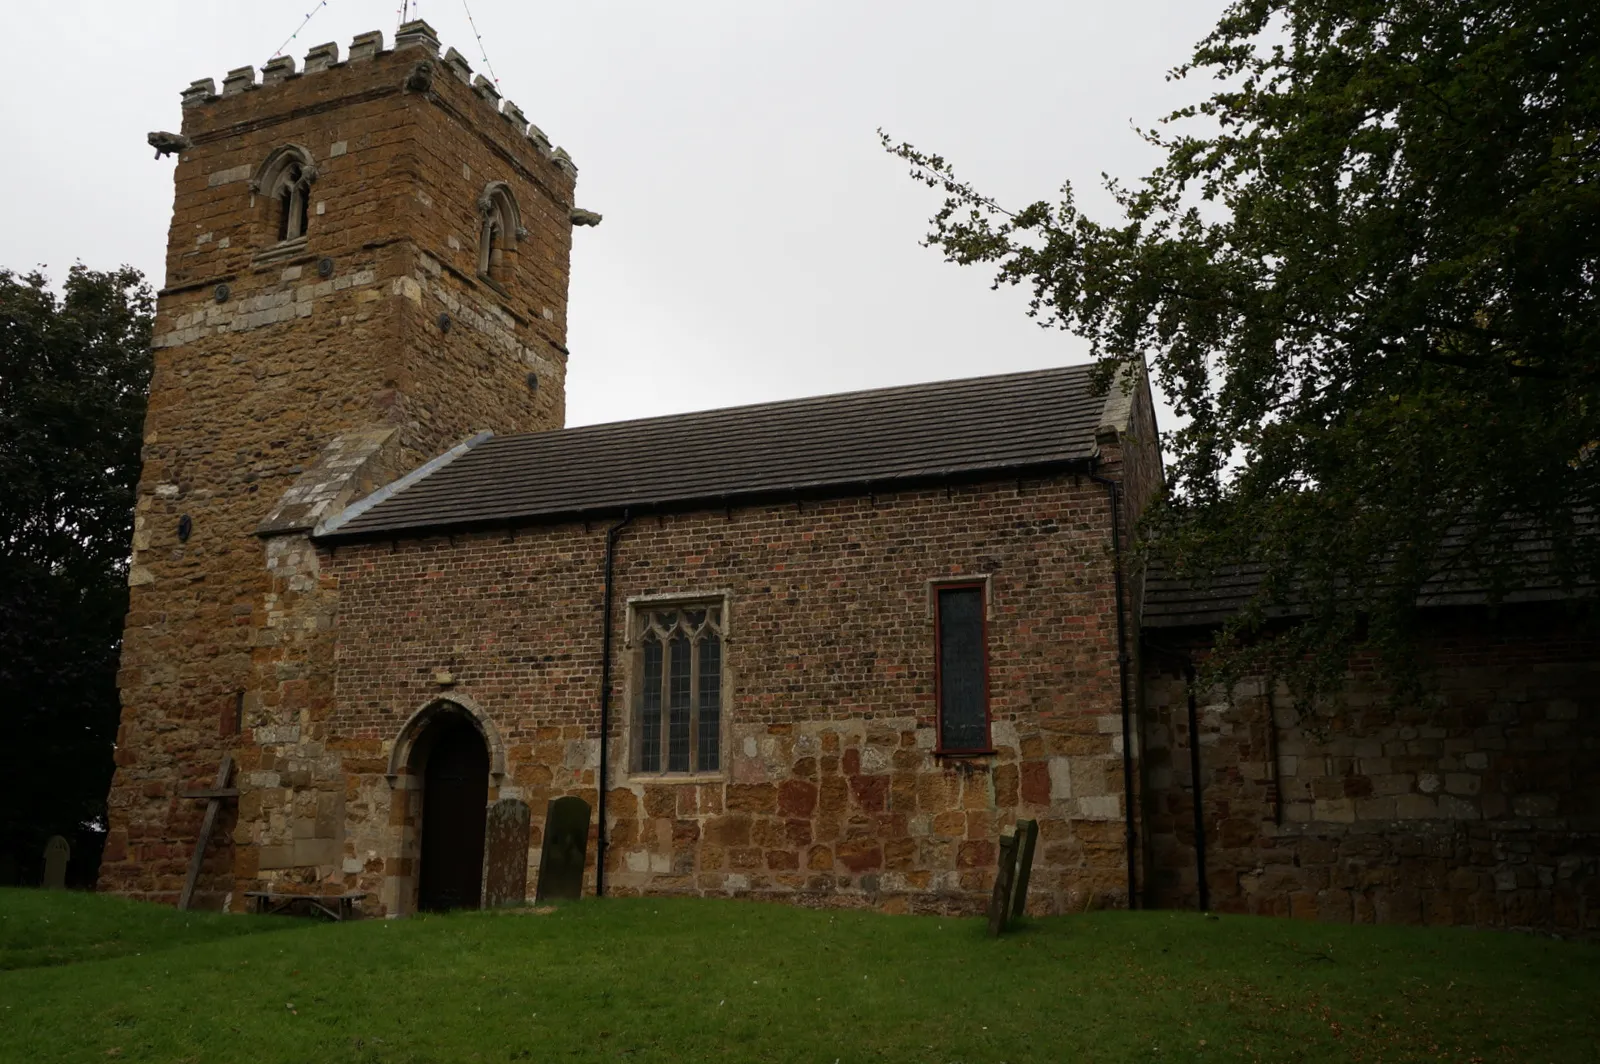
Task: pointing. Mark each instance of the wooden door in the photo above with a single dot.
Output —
(455, 792)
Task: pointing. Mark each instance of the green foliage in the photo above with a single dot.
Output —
(74, 369)
(1365, 275)
(671, 979)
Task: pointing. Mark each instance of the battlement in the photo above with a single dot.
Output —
(415, 36)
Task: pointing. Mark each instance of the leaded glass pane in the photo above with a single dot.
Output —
(650, 709)
(678, 679)
(709, 739)
(963, 713)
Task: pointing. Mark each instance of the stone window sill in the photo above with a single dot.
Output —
(495, 285)
(678, 777)
(964, 753)
(279, 252)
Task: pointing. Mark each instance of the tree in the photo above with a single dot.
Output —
(74, 371)
(1365, 273)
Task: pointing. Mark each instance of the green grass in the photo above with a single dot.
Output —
(679, 980)
(40, 928)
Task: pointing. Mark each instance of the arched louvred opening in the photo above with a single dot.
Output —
(284, 179)
(293, 205)
(501, 228)
(491, 259)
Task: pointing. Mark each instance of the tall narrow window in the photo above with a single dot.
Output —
(491, 262)
(678, 702)
(962, 669)
(650, 709)
(292, 199)
(710, 702)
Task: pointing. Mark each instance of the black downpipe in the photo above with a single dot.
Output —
(1199, 794)
(605, 703)
(1114, 490)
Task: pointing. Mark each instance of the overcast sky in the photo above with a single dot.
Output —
(758, 243)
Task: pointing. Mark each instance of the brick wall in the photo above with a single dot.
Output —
(831, 791)
(247, 390)
(1480, 806)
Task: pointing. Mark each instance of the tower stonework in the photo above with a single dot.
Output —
(367, 265)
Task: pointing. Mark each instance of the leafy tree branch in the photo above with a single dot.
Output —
(1364, 273)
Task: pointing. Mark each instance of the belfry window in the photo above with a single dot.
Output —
(292, 206)
(500, 228)
(491, 255)
(678, 694)
(284, 181)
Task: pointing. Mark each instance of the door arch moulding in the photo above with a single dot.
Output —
(417, 725)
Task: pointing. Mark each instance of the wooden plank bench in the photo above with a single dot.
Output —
(333, 906)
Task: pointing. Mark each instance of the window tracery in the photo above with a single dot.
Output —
(677, 704)
(285, 181)
(501, 224)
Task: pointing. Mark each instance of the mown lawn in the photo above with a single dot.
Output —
(89, 978)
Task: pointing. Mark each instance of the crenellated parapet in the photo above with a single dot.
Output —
(367, 263)
(367, 47)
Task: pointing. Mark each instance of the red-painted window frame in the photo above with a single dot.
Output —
(982, 588)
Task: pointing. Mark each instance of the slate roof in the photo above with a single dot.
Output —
(1171, 602)
(833, 443)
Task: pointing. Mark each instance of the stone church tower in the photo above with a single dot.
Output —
(367, 264)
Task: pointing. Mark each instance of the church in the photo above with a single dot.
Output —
(821, 651)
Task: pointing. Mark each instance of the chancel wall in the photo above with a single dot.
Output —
(1476, 804)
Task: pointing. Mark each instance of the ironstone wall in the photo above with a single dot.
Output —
(1479, 805)
(265, 351)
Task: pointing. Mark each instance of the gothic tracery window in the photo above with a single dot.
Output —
(677, 705)
(284, 180)
(501, 225)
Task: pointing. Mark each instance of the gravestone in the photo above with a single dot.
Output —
(505, 854)
(1028, 834)
(1000, 900)
(566, 844)
(56, 853)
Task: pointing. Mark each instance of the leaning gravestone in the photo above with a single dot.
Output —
(1000, 900)
(505, 854)
(56, 853)
(566, 844)
(1028, 836)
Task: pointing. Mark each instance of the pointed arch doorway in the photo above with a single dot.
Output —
(455, 795)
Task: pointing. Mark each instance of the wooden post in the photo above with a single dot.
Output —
(215, 797)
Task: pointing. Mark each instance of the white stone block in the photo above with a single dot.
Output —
(228, 176)
(1060, 779)
(1104, 807)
